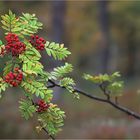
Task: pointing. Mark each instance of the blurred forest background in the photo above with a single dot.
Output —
(103, 36)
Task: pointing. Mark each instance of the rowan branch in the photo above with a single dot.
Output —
(107, 100)
(45, 130)
(50, 136)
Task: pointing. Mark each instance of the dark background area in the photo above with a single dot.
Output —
(103, 36)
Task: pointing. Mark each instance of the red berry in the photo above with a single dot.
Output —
(37, 42)
(14, 45)
(16, 69)
(14, 78)
(42, 106)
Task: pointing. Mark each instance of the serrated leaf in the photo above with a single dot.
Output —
(56, 50)
(26, 108)
(61, 71)
(52, 119)
(37, 88)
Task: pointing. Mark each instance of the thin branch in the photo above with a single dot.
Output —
(125, 110)
(48, 134)
(106, 93)
(50, 86)
(117, 106)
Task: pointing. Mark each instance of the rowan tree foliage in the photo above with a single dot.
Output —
(23, 69)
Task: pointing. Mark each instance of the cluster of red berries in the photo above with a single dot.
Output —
(37, 42)
(14, 45)
(42, 106)
(14, 78)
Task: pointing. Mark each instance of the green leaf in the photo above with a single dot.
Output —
(52, 120)
(31, 64)
(69, 84)
(61, 71)
(29, 24)
(56, 50)
(32, 68)
(10, 22)
(37, 88)
(3, 85)
(44, 76)
(111, 83)
(115, 75)
(31, 54)
(1, 43)
(8, 67)
(98, 79)
(67, 81)
(116, 88)
(26, 108)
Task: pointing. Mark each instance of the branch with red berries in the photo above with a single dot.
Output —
(22, 49)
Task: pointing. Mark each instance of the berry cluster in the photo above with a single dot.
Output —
(37, 42)
(14, 45)
(14, 78)
(42, 106)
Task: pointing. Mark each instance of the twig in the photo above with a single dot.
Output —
(48, 134)
(117, 106)
(106, 93)
(43, 127)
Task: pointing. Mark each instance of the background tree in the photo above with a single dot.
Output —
(104, 44)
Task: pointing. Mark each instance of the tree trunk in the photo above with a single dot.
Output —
(104, 51)
(58, 29)
(131, 53)
(58, 18)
